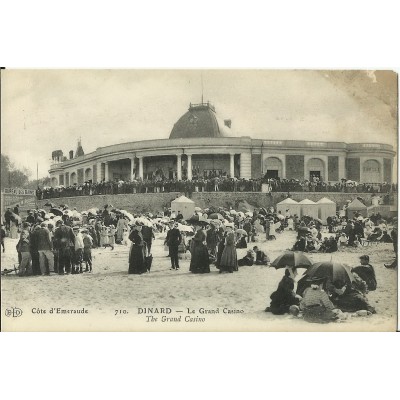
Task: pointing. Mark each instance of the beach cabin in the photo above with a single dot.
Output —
(308, 207)
(289, 204)
(184, 205)
(356, 206)
(326, 208)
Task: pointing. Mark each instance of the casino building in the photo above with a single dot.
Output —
(202, 145)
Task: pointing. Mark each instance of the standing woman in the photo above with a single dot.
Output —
(13, 228)
(200, 262)
(229, 262)
(137, 263)
(121, 225)
(104, 236)
(111, 236)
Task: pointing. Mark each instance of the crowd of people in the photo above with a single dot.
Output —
(61, 240)
(215, 184)
(354, 232)
(323, 299)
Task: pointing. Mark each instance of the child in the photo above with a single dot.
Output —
(111, 236)
(343, 240)
(104, 237)
(78, 252)
(87, 250)
(125, 237)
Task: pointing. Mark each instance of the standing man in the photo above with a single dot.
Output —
(174, 238)
(248, 227)
(7, 218)
(23, 248)
(45, 250)
(33, 242)
(148, 236)
(64, 238)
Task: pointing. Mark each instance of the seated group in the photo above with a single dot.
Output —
(322, 300)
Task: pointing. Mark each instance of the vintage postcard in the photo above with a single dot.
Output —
(199, 200)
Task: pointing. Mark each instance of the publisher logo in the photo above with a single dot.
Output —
(13, 312)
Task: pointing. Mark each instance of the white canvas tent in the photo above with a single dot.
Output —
(308, 207)
(356, 207)
(184, 205)
(326, 208)
(292, 205)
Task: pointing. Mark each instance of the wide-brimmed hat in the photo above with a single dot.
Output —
(316, 279)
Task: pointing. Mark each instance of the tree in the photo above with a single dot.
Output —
(11, 176)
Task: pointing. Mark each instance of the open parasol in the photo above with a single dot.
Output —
(292, 259)
(330, 270)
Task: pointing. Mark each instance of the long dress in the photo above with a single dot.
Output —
(200, 262)
(121, 225)
(229, 262)
(104, 237)
(111, 237)
(137, 263)
(282, 299)
(13, 230)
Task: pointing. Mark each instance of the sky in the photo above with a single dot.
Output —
(47, 110)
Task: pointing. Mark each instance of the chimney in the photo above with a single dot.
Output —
(71, 154)
(228, 122)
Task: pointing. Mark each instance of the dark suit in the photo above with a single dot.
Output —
(173, 240)
(64, 238)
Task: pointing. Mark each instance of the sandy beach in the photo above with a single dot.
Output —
(111, 300)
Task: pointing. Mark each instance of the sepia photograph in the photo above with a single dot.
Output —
(141, 200)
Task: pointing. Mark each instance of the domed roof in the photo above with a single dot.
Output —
(200, 121)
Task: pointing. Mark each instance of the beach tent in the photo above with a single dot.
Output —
(292, 205)
(326, 208)
(184, 205)
(308, 207)
(356, 206)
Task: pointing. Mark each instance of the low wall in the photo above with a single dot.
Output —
(142, 202)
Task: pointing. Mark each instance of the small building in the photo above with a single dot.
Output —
(356, 207)
(184, 205)
(308, 207)
(326, 208)
(289, 204)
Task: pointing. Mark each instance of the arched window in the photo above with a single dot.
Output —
(273, 168)
(73, 178)
(88, 174)
(316, 169)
